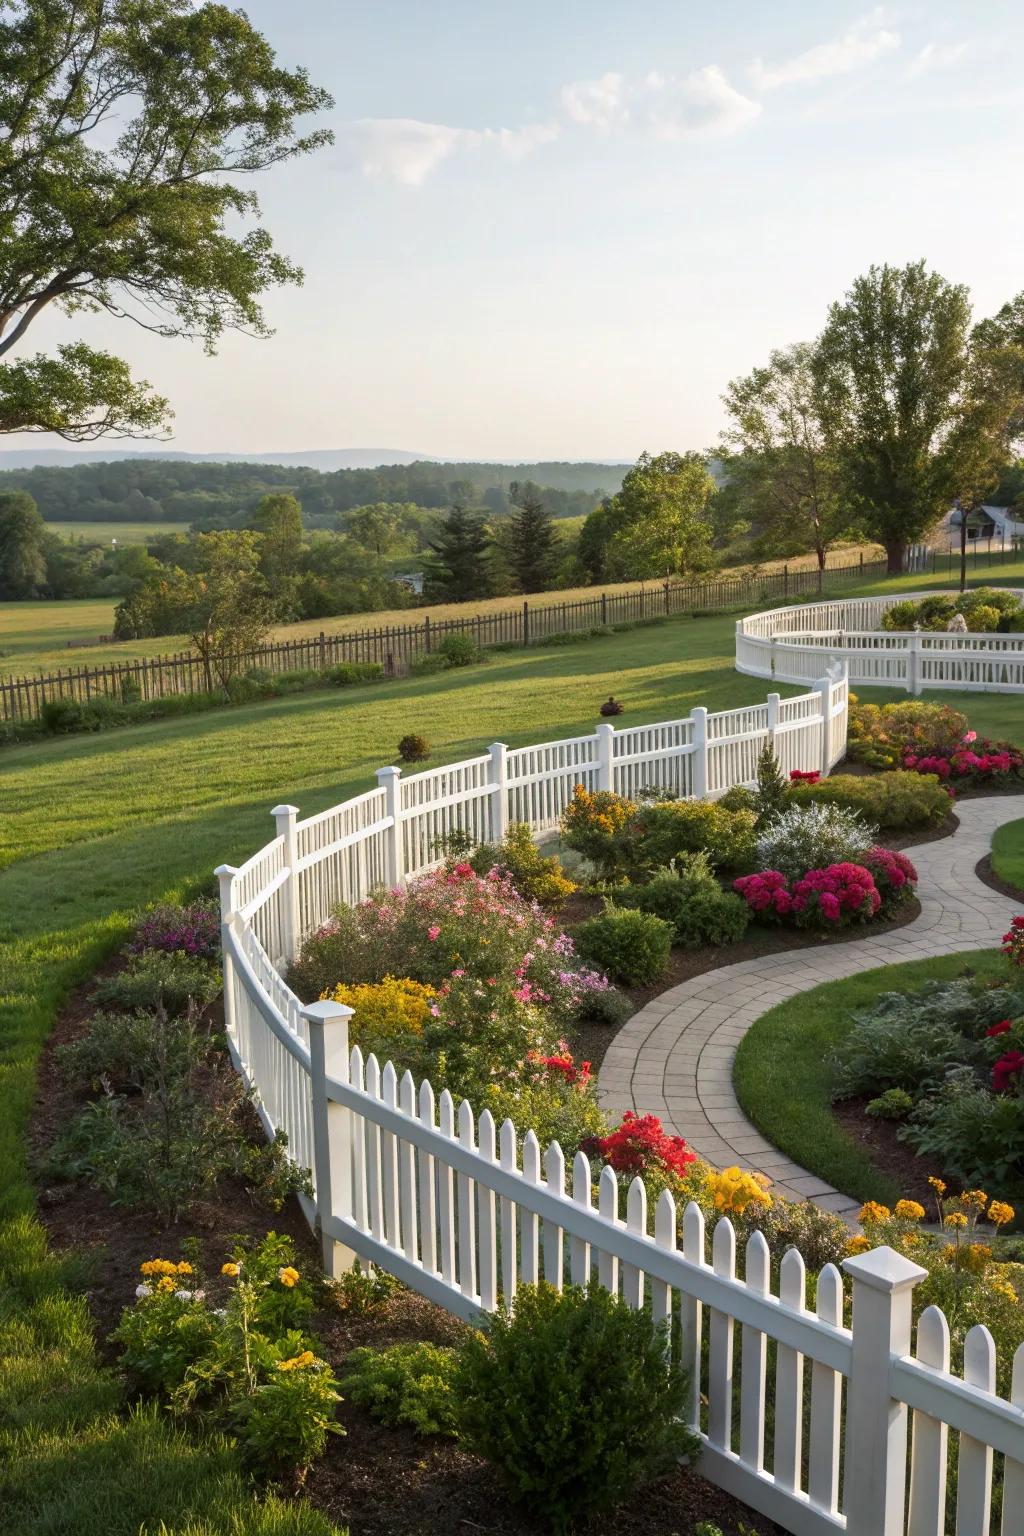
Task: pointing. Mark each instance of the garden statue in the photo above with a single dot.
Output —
(957, 625)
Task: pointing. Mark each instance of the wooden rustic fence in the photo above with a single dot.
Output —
(394, 646)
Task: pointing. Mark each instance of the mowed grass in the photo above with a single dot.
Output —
(1008, 853)
(783, 1071)
(124, 533)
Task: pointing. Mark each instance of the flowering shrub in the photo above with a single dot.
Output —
(842, 892)
(734, 1189)
(395, 1006)
(640, 1144)
(534, 876)
(1013, 942)
(193, 929)
(882, 734)
(812, 837)
(974, 758)
(244, 1366)
(504, 979)
(804, 776)
(593, 823)
(894, 875)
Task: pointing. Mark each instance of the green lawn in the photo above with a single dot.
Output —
(782, 1074)
(124, 533)
(1008, 853)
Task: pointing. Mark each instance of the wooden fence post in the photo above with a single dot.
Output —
(526, 623)
(332, 1126)
(284, 820)
(876, 1422)
(499, 794)
(699, 756)
(605, 756)
(390, 780)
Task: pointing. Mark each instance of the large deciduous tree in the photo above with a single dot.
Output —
(127, 131)
(657, 525)
(781, 470)
(918, 407)
(22, 546)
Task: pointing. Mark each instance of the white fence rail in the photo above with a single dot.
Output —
(794, 645)
(820, 1426)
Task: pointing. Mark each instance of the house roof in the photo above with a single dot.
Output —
(1008, 519)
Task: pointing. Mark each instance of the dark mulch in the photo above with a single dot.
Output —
(888, 1154)
(987, 875)
(392, 1482)
(916, 839)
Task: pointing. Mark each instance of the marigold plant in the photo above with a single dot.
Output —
(395, 1006)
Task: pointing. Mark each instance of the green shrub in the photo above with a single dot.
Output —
(689, 897)
(347, 674)
(972, 1133)
(629, 946)
(772, 794)
(460, 650)
(413, 748)
(893, 1104)
(881, 734)
(609, 1007)
(894, 802)
(534, 875)
(155, 978)
(118, 1051)
(406, 1384)
(739, 798)
(428, 664)
(665, 830)
(574, 1401)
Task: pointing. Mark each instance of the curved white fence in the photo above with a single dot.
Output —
(793, 645)
(464, 1211)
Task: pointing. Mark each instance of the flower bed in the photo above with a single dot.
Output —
(933, 740)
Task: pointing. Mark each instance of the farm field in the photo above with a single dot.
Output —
(124, 533)
(34, 636)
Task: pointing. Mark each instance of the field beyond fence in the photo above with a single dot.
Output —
(394, 646)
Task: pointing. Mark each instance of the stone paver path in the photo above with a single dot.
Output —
(674, 1057)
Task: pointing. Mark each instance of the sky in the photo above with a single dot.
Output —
(557, 228)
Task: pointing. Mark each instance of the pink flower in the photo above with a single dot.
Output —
(970, 736)
(433, 933)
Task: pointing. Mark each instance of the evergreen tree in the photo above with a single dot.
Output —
(772, 793)
(459, 569)
(533, 542)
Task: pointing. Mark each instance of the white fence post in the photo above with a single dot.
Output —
(699, 756)
(332, 1126)
(823, 688)
(605, 756)
(499, 796)
(225, 877)
(284, 820)
(876, 1422)
(773, 702)
(914, 663)
(390, 780)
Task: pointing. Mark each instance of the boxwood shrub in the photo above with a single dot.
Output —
(630, 946)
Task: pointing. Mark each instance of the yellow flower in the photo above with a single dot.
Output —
(185, 1268)
(873, 1211)
(299, 1363)
(288, 1276)
(909, 1210)
(166, 1283)
(937, 1184)
(158, 1267)
(976, 1197)
(1004, 1289)
(957, 1220)
(858, 1244)
(733, 1190)
(230, 1269)
(999, 1213)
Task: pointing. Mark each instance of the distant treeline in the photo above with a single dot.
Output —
(223, 495)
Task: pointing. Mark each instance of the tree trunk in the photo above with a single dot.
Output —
(821, 554)
(894, 554)
(963, 551)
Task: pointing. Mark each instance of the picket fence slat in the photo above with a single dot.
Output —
(437, 1197)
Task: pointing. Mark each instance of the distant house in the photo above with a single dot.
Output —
(1001, 524)
(411, 579)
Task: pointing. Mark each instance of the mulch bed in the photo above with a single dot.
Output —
(889, 1155)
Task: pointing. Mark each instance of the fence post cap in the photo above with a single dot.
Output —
(499, 746)
(225, 869)
(388, 773)
(326, 1012)
(285, 810)
(883, 1269)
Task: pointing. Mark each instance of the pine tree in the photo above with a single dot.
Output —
(460, 568)
(532, 538)
(772, 791)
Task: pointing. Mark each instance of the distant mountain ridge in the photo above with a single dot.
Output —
(323, 459)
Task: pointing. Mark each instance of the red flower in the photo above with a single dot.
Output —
(1002, 1028)
(1007, 1070)
(804, 776)
(638, 1143)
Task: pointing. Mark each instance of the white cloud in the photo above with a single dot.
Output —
(596, 103)
(865, 41)
(406, 150)
(702, 102)
(936, 56)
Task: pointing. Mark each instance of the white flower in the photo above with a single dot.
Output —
(184, 1295)
(142, 1290)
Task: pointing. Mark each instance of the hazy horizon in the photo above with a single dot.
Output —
(546, 233)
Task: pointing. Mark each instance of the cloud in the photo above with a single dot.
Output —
(702, 102)
(596, 103)
(936, 56)
(406, 150)
(865, 41)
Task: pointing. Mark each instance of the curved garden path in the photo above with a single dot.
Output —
(674, 1057)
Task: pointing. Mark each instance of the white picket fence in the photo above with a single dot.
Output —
(463, 1211)
(794, 645)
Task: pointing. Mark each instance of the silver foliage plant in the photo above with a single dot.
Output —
(813, 837)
